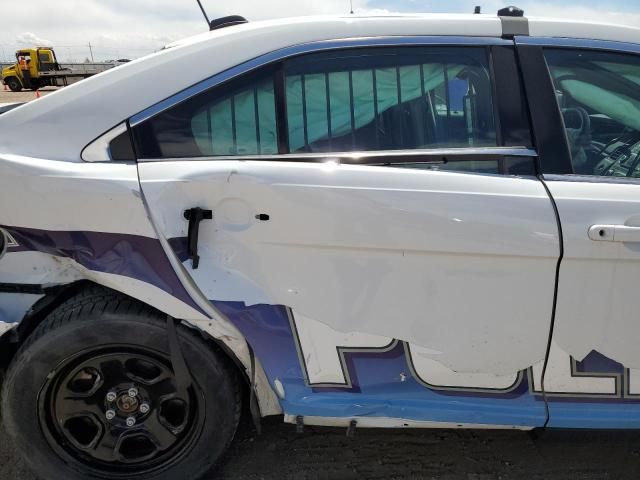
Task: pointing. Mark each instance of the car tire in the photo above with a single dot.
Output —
(13, 83)
(83, 360)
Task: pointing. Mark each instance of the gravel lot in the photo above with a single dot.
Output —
(327, 454)
(7, 96)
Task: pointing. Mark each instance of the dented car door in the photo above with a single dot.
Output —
(376, 230)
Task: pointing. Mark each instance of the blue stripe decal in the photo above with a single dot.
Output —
(380, 391)
(379, 388)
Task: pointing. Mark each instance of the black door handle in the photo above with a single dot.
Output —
(195, 216)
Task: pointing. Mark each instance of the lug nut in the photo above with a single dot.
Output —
(133, 392)
(131, 421)
(111, 396)
(110, 414)
(144, 408)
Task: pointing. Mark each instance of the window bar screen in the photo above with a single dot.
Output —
(328, 107)
(447, 99)
(305, 120)
(352, 110)
(256, 114)
(399, 87)
(209, 129)
(233, 125)
(375, 107)
(423, 100)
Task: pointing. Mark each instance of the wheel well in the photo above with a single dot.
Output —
(53, 297)
(56, 296)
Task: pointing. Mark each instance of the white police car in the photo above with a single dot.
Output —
(420, 221)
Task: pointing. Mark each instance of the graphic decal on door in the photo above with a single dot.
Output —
(330, 373)
(594, 377)
(133, 256)
(371, 379)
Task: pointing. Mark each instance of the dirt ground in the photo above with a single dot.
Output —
(327, 454)
(7, 96)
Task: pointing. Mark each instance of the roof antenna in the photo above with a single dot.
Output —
(351, 3)
(477, 10)
(204, 13)
(221, 22)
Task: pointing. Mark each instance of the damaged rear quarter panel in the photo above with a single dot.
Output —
(73, 221)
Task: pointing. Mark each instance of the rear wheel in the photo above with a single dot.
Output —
(13, 83)
(92, 393)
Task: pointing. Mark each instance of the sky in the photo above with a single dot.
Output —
(133, 28)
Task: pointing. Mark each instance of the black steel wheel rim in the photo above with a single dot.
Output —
(119, 410)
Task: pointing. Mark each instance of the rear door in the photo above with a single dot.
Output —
(587, 115)
(377, 232)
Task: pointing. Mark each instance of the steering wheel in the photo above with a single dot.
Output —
(578, 125)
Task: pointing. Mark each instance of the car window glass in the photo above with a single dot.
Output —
(236, 119)
(390, 99)
(599, 98)
(241, 123)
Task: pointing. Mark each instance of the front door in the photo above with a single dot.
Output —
(385, 248)
(591, 377)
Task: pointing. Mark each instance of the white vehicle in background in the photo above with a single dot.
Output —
(412, 221)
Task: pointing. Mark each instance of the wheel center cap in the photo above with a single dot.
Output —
(127, 404)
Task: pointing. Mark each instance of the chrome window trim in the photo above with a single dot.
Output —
(433, 155)
(98, 150)
(561, 42)
(576, 178)
(324, 45)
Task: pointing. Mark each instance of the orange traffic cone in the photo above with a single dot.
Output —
(37, 94)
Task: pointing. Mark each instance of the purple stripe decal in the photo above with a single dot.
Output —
(180, 247)
(133, 256)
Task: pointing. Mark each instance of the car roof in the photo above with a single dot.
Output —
(462, 24)
(70, 118)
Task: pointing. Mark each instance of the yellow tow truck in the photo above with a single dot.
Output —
(38, 67)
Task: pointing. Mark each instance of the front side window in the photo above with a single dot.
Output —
(599, 96)
(390, 99)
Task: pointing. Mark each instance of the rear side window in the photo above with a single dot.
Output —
(390, 99)
(364, 99)
(236, 119)
(599, 96)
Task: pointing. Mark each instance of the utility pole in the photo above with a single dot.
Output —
(91, 51)
(351, 3)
